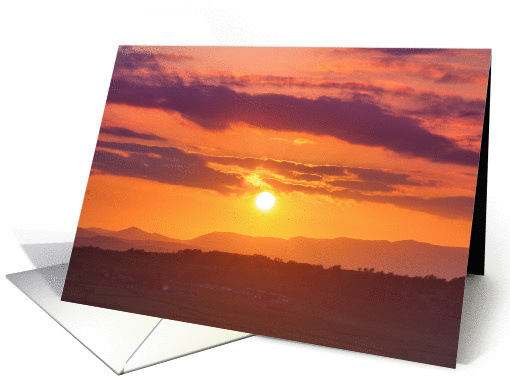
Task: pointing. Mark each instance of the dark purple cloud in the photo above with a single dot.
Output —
(123, 132)
(354, 121)
(362, 186)
(436, 106)
(381, 176)
(131, 60)
(395, 52)
(407, 51)
(162, 164)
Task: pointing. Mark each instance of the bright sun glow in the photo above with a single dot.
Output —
(265, 201)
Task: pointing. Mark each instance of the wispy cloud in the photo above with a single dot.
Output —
(412, 62)
(452, 207)
(123, 132)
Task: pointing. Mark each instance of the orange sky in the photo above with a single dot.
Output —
(369, 144)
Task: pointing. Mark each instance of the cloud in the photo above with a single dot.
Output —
(127, 133)
(410, 61)
(393, 51)
(131, 60)
(437, 106)
(410, 51)
(305, 177)
(303, 141)
(245, 80)
(280, 167)
(146, 61)
(432, 104)
(452, 207)
(381, 176)
(354, 121)
(170, 165)
(167, 165)
(355, 178)
(362, 186)
(398, 52)
(149, 59)
(441, 73)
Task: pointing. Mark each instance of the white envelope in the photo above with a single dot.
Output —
(123, 341)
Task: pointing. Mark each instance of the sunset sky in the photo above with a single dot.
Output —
(359, 143)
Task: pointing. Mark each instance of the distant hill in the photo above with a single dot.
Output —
(401, 257)
(116, 240)
(132, 233)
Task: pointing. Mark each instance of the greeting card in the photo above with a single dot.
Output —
(321, 195)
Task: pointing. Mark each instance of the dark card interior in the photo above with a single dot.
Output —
(476, 259)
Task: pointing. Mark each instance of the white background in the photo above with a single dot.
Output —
(56, 62)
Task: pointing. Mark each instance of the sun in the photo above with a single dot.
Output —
(265, 201)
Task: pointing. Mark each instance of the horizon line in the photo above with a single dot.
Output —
(273, 237)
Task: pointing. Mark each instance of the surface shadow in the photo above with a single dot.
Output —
(474, 339)
(48, 254)
(54, 277)
(45, 257)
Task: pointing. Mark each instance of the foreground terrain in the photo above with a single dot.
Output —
(412, 318)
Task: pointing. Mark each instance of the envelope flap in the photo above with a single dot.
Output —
(171, 339)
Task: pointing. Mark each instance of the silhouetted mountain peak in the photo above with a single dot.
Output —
(131, 233)
(133, 230)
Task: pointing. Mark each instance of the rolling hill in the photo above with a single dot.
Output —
(401, 257)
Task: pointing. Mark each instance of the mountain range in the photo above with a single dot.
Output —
(407, 257)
